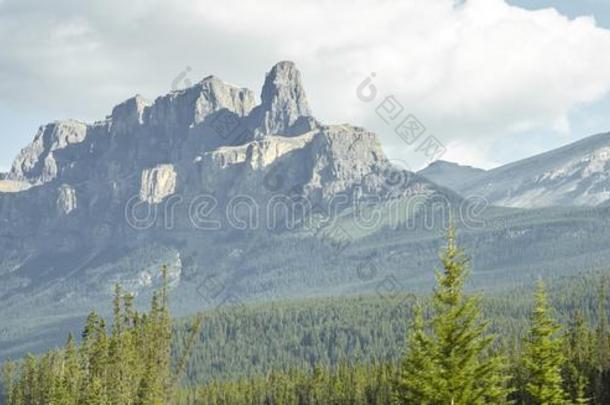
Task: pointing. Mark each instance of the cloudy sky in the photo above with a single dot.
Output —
(491, 80)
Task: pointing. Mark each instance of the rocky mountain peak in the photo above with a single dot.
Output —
(191, 106)
(129, 114)
(284, 109)
(37, 163)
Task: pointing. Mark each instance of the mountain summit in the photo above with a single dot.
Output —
(284, 109)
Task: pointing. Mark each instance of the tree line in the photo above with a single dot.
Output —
(128, 363)
(450, 357)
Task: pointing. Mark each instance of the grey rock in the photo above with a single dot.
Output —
(193, 105)
(66, 200)
(38, 162)
(127, 116)
(177, 145)
(12, 186)
(284, 109)
(158, 183)
(577, 174)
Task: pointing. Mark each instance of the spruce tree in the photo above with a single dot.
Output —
(453, 362)
(9, 374)
(579, 365)
(417, 367)
(31, 373)
(543, 357)
(602, 346)
(119, 372)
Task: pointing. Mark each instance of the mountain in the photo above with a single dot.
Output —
(245, 201)
(573, 175)
(203, 179)
(449, 174)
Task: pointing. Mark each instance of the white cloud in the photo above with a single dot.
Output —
(471, 73)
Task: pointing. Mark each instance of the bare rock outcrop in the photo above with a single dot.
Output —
(158, 183)
(191, 106)
(38, 162)
(284, 109)
(66, 199)
(128, 115)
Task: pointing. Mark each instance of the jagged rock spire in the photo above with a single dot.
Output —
(284, 109)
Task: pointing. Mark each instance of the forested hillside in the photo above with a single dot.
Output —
(544, 345)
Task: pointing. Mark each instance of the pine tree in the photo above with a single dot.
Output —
(188, 347)
(579, 365)
(9, 374)
(455, 364)
(417, 367)
(156, 384)
(133, 367)
(164, 331)
(543, 357)
(119, 372)
(602, 346)
(71, 376)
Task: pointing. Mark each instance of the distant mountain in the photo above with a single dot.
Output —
(574, 175)
(449, 174)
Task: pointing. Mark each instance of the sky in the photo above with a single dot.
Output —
(491, 81)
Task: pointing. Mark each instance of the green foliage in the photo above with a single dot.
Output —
(337, 351)
(346, 384)
(452, 364)
(602, 349)
(543, 357)
(579, 367)
(131, 365)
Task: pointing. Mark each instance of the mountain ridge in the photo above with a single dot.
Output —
(577, 174)
(449, 174)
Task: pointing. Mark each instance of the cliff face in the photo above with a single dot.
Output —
(211, 137)
(87, 205)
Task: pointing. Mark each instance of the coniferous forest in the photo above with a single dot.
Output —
(456, 349)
